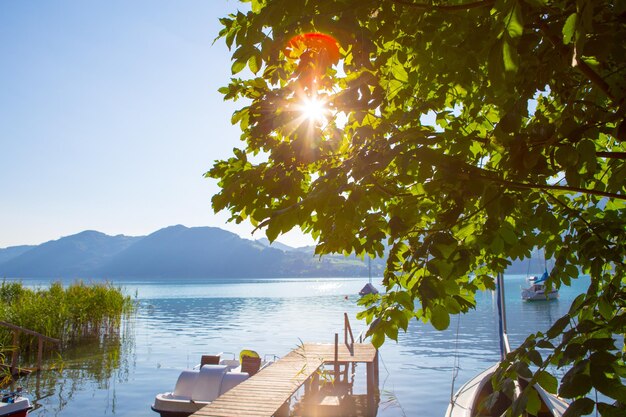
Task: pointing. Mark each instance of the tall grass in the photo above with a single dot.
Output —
(70, 314)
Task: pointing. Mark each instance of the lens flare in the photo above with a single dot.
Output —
(314, 109)
(321, 44)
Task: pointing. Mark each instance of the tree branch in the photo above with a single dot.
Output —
(608, 244)
(582, 66)
(614, 155)
(543, 187)
(446, 7)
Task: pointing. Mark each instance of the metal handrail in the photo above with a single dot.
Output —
(361, 336)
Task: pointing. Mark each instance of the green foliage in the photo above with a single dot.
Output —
(68, 314)
(459, 135)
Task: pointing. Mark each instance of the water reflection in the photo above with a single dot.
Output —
(96, 365)
(177, 322)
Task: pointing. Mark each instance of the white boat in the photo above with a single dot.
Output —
(14, 404)
(469, 399)
(198, 387)
(538, 290)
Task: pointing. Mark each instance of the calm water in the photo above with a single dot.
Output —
(178, 321)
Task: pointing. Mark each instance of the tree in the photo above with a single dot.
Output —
(459, 134)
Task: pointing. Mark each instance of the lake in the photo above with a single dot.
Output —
(179, 320)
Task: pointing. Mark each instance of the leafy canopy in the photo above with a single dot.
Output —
(457, 133)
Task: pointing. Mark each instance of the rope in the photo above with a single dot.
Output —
(457, 361)
(392, 395)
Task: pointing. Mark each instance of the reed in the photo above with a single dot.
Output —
(70, 313)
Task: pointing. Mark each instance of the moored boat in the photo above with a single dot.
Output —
(469, 400)
(368, 288)
(538, 290)
(14, 404)
(198, 387)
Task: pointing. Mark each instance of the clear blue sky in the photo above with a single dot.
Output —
(110, 115)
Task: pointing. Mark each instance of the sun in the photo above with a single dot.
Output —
(313, 109)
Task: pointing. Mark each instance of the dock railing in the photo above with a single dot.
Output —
(40, 341)
(347, 330)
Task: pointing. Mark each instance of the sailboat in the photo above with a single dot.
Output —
(369, 287)
(469, 399)
(538, 289)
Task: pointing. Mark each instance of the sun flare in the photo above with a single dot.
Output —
(314, 109)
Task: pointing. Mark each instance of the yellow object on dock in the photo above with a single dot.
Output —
(264, 394)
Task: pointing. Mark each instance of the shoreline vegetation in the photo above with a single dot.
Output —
(78, 312)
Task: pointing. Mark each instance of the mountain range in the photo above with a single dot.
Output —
(173, 252)
(182, 252)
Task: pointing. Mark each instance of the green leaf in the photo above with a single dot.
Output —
(580, 407)
(607, 410)
(547, 381)
(577, 303)
(510, 58)
(391, 330)
(535, 357)
(254, 63)
(569, 29)
(573, 351)
(439, 317)
(237, 66)
(544, 344)
(603, 377)
(522, 369)
(256, 6)
(566, 155)
(495, 64)
(399, 72)
(515, 21)
(534, 403)
(558, 327)
(606, 310)
(508, 234)
(575, 386)
(378, 338)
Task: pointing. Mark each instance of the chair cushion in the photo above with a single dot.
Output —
(250, 365)
(209, 360)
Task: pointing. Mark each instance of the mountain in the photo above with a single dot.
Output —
(198, 252)
(276, 245)
(72, 256)
(174, 252)
(13, 252)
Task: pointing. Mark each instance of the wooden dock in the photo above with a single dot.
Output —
(268, 393)
(15, 349)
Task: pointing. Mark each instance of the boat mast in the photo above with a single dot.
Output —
(504, 338)
(369, 268)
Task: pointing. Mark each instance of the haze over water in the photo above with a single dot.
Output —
(177, 321)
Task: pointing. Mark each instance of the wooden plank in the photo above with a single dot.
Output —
(263, 394)
(28, 331)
